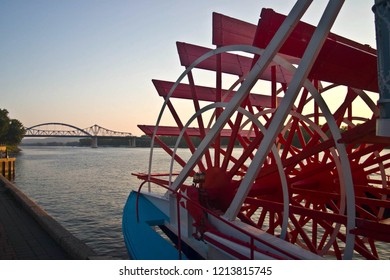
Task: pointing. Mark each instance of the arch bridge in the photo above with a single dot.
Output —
(56, 129)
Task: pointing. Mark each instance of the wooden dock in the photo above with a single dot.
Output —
(7, 164)
(7, 168)
(27, 232)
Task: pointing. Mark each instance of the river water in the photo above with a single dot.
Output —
(86, 189)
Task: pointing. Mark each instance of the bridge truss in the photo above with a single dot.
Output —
(55, 129)
(66, 130)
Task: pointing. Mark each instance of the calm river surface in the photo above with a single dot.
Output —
(84, 189)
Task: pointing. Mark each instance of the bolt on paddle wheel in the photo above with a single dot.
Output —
(318, 174)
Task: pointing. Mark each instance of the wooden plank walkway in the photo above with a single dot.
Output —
(29, 233)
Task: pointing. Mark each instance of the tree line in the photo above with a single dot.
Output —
(11, 131)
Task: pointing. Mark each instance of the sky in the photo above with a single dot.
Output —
(85, 62)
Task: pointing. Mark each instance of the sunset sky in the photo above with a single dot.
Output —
(83, 62)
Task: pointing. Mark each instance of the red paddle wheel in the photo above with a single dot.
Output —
(324, 182)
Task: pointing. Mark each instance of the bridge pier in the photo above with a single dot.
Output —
(94, 142)
(132, 143)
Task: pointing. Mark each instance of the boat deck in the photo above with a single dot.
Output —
(136, 231)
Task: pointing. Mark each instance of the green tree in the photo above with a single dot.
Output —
(4, 125)
(16, 132)
(11, 130)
